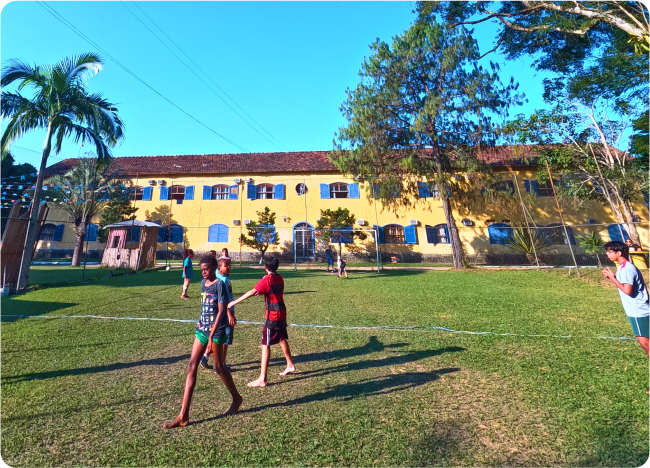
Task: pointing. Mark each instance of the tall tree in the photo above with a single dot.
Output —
(261, 233)
(422, 109)
(84, 192)
(63, 107)
(119, 208)
(339, 223)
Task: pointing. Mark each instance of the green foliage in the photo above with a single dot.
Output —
(335, 219)
(528, 241)
(261, 233)
(11, 169)
(591, 243)
(119, 208)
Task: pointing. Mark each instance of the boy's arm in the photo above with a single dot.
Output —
(222, 310)
(625, 287)
(250, 293)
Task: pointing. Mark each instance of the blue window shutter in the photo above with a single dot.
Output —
(615, 233)
(251, 191)
(447, 234)
(58, 232)
(572, 240)
(527, 185)
(189, 192)
(380, 233)
(213, 233)
(223, 233)
(207, 192)
(176, 233)
(499, 232)
(347, 238)
(410, 236)
(376, 190)
(164, 192)
(147, 192)
(423, 190)
(233, 193)
(133, 234)
(162, 231)
(278, 191)
(533, 185)
(432, 238)
(353, 190)
(91, 233)
(324, 190)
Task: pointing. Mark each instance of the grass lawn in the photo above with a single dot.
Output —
(96, 392)
(43, 275)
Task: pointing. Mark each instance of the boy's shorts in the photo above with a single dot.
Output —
(223, 338)
(640, 325)
(330, 261)
(271, 337)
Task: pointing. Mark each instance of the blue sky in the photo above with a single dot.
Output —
(287, 64)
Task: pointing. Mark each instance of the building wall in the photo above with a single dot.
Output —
(196, 216)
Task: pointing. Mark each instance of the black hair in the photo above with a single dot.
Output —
(272, 264)
(209, 260)
(225, 250)
(221, 261)
(618, 246)
(213, 253)
(186, 253)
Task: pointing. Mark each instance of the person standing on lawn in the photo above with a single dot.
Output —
(340, 263)
(329, 258)
(632, 289)
(210, 330)
(275, 318)
(188, 272)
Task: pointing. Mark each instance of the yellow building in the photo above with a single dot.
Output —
(204, 202)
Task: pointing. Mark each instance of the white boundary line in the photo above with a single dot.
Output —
(340, 327)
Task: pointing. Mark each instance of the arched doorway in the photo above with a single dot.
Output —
(303, 235)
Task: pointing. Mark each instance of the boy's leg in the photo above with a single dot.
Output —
(225, 353)
(184, 417)
(226, 378)
(261, 381)
(284, 344)
(645, 344)
(186, 284)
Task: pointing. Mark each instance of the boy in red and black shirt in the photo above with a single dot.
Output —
(275, 318)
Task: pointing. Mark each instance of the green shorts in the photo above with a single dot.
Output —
(223, 339)
(640, 325)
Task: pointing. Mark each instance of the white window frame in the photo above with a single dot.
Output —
(265, 191)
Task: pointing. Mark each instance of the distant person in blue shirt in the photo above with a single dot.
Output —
(188, 272)
(632, 289)
(329, 258)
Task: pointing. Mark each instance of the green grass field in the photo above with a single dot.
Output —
(96, 392)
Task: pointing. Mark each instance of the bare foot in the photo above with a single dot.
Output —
(236, 403)
(178, 422)
(257, 383)
(288, 370)
(184, 296)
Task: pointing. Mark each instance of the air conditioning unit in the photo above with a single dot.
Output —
(162, 182)
(467, 222)
(152, 182)
(361, 222)
(237, 181)
(413, 222)
(235, 222)
(248, 180)
(247, 221)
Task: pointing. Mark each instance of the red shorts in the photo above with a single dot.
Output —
(271, 337)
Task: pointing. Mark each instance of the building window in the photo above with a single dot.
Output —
(591, 221)
(177, 192)
(557, 236)
(137, 192)
(499, 233)
(47, 232)
(441, 234)
(339, 190)
(507, 186)
(301, 189)
(220, 192)
(265, 191)
(544, 189)
(394, 234)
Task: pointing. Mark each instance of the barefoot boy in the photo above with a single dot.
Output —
(275, 318)
(632, 289)
(209, 329)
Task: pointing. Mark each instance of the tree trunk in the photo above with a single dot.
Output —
(631, 227)
(79, 244)
(456, 246)
(28, 252)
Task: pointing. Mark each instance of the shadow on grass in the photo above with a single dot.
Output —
(10, 306)
(94, 370)
(365, 388)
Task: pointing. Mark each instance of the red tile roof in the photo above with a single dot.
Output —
(254, 163)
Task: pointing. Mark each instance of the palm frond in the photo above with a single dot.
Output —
(17, 69)
(528, 241)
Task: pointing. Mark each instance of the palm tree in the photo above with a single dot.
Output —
(84, 191)
(62, 105)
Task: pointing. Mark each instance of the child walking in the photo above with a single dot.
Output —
(210, 331)
(632, 289)
(188, 272)
(275, 318)
(341, 266)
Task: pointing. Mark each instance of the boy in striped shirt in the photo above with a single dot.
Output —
(275, 318)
